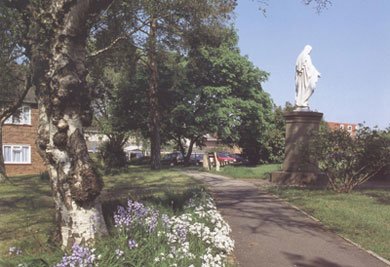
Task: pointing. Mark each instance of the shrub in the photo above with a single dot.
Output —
(113, 156)
(349, 161)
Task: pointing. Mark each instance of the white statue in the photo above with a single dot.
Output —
(306, 77)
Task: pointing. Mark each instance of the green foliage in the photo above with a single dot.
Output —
(213, 90)
(112, 154)
(208, 89)
(349, 161)
(108, 72)
(12, 74)
(223, 96)
(274, 137)
(252, 132)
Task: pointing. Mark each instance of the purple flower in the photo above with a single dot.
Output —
(134, 213)
(80, 257)
(181, 231)
(132, 244)
(153, 220)
(165, 219)
(139, 209)
(122, 218)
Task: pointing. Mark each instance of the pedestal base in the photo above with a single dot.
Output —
(299, 178)
(296, 170)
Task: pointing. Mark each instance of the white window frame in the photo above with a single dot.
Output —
(23, 119)
(349, 128)
(15, 147)
(342, 127)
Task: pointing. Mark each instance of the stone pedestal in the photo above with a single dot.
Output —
(294, 169)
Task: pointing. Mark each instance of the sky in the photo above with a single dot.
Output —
(351, 50)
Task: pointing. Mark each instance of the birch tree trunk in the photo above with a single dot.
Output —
(59, 73)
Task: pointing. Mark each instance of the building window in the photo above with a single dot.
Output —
(17, 154)
(349, 128)
(23, 116)
(342, 126)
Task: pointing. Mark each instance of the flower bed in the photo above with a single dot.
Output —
(154, 236)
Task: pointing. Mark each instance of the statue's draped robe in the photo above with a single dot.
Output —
(306, 77)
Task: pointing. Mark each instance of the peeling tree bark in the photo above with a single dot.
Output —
(58, 55)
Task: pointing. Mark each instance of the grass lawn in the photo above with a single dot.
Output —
(361, 216)
(27, 209)
(244, 172)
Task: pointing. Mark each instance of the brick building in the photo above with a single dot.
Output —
(19, 134)
(351, 128)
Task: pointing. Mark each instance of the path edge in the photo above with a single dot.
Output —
(372, 253)
(385, 261)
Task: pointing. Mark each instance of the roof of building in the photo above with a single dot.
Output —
(30, 97)
(341, 123)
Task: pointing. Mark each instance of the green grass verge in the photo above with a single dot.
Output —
(245, 172)
(27, 212)
(27, 209)
(361, 216)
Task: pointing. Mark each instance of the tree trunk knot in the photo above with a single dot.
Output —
(88, 189)
(60, 140)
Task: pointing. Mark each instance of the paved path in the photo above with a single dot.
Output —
(270, 233)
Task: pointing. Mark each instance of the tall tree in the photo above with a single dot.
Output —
(13, 83)
(13, 89)
(54, 40)
(108, 71)
(273, 143)
(165, 25)
(228, 98)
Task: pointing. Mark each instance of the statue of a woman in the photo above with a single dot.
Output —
(306, 77)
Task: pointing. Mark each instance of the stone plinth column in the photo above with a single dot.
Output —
(294, 170)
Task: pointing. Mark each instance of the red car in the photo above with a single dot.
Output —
(225, 158)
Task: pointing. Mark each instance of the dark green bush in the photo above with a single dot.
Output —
(112, 155)
(349, 161)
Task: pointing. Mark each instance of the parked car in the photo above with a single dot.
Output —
(239, 158)
(140, 161)
(172, 159)
(225, 158)
(196, 159)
